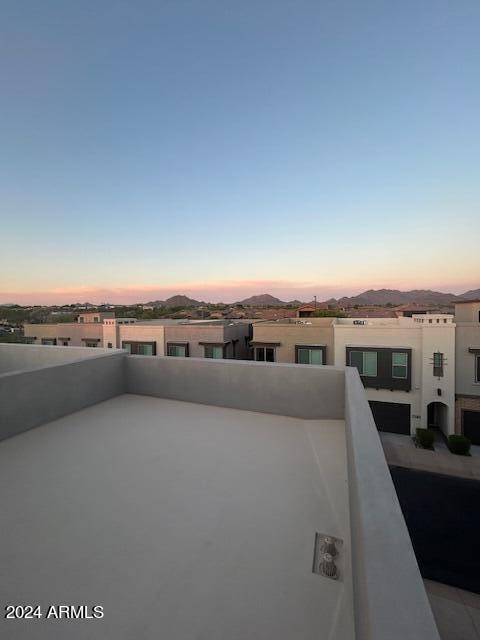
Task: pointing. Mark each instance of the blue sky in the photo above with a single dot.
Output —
(222, 148)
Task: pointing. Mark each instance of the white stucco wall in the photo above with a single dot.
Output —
(423, 340)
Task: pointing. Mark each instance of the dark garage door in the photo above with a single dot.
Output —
(471, 425)
(391, 416)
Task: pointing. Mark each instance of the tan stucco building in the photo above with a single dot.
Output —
(181, 338)
(467, 348)
(407, 364)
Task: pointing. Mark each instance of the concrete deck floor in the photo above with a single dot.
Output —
(184, 521)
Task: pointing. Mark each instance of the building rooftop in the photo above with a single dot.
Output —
(203, 516)
(467, 301)
(188, 497)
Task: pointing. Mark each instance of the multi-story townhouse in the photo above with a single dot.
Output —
(467, 363)
(181, 338)
(197, 339)
(87, 331)
(406, 364)
(304, 341)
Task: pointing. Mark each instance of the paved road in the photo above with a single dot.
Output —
(443, 519)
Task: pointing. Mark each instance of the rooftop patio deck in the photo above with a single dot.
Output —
(195, 519)
(184, 494)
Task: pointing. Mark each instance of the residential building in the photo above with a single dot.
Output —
(194, 338)
(406, 364)
(194, 497)
(467, 359)
(87, 331)
(303, 341)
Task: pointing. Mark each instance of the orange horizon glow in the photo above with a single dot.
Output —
(222, 291)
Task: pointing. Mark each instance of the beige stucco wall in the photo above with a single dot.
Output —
(97, 317)
(143, 333)
(467, 312)
(467, 337)
(311, 331)
(73, 330)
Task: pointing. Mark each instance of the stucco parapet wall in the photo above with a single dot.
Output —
(30, 398)
(390, 601)
(302, 391)
(15, 358)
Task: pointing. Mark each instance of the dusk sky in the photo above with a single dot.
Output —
(222, 149)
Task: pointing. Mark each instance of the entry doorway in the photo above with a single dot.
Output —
(437, 416)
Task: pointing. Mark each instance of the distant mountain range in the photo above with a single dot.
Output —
(176, 301)
(265, 300)
(370, 297)
(395, 297)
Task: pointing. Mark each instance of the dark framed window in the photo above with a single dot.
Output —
(91, 344)
(400, 365)
(438, 364)
(365, 361)
(110, 345)
(216, 351)
(50, 341)
(477, 368)
(65, 343)
(136, 348)
(382, 367)
(310, 354)
(177, 350)
(265, 354)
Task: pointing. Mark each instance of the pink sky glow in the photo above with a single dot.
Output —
(228, 291)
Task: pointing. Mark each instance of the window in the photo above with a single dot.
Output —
(213, 351)
(177, 350)
(399, 365)
(50, 341)
(365, 361)
(265, 354)
(110, 345)
(95, 319)
(477, 368)
(309, 355)
(139, 348)
(438, 365)
(65, 343)
(88, 343)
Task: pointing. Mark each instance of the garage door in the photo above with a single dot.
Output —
(391, 416)
(471, 425)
